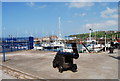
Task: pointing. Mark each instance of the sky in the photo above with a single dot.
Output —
(40, 19)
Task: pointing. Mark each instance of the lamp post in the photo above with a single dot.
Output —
(90, 34)
(3, 50)
(3, 45)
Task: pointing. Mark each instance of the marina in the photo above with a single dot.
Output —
(91, 63)
(93, 58)
(60, 40)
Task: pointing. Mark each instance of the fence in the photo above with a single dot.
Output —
(16, 43)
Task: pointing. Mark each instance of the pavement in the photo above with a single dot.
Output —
(39, 64)
(4, 75)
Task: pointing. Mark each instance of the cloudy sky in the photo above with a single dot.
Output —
(41, 18)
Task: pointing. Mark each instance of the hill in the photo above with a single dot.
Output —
(98, 34)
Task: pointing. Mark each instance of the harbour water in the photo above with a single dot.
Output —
(9, 49)
(79, 47)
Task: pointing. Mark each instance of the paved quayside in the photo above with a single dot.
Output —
(39, 64)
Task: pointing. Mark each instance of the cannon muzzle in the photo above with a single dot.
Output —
(74, 47)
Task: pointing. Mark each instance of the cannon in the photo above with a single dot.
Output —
(64, 60)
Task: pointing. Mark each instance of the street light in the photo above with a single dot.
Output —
(3, 50)
(90, 33)
(3, 44)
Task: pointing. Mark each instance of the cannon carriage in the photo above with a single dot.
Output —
(64, 60)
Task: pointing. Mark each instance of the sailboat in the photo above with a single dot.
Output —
(57, 43)
(92, 45)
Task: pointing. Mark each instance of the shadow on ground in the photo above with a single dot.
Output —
(118, 57)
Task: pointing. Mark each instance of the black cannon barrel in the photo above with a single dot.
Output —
(74, 47)
(72, 55)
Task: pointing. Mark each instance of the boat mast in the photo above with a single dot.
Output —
(59, 36)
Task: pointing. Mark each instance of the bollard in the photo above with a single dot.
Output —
(111, 49)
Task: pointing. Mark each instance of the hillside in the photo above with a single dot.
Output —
(98, 34)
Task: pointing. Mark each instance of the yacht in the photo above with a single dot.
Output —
(57, 44)
(38, 47)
